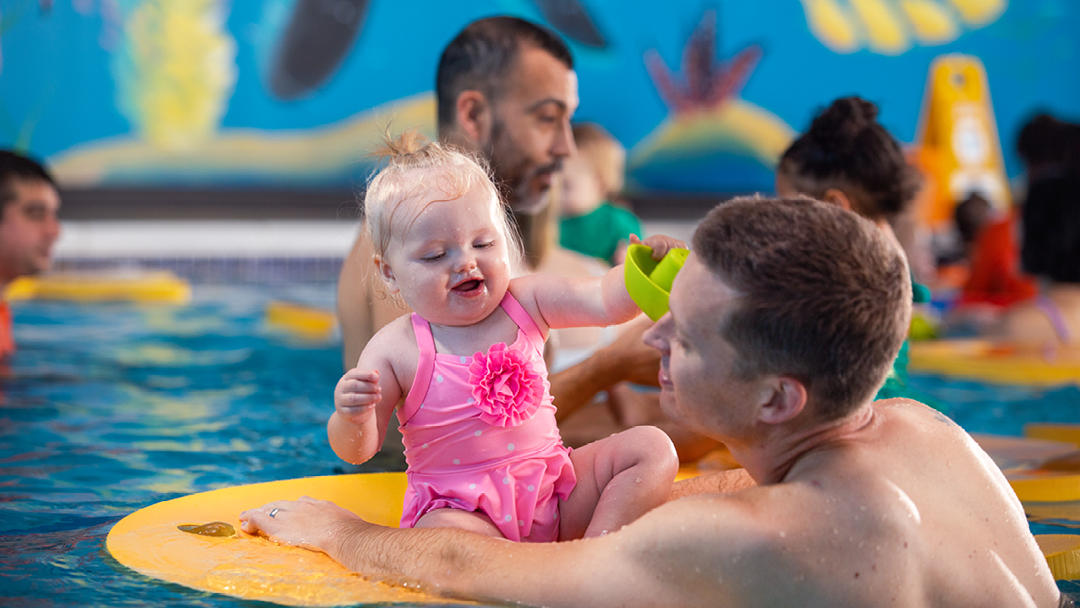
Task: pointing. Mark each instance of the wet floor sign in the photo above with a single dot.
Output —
(958, 138)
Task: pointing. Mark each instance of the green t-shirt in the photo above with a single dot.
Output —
(897, 380)
(599, 232)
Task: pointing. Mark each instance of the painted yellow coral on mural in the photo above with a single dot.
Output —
(892, 26)
(175, 71)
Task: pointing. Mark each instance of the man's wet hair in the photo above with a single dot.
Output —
(482, 55)
(1050, 237)
(824, 296)
(847, 148)
(15, 166)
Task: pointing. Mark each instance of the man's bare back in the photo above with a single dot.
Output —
(900, 511)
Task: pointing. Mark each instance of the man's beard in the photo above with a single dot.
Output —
(513, 178)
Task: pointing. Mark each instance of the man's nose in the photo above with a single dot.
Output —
(657, 335)
(52, 227)
(563, 145)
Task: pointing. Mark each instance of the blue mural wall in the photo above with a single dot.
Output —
(704, 95)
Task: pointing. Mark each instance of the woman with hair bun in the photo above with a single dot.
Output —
(847, 158)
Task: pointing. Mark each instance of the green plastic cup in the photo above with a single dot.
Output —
(648, 281)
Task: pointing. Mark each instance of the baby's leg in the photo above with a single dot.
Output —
(473, 521)
(619, 478)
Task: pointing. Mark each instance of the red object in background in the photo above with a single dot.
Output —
(995, 276)
(7, 345)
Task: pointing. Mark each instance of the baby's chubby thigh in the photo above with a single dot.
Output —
(619, 478)
(473, 521)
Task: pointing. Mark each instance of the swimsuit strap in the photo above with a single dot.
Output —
(524, 320)
(1053, 314)
(425, 365)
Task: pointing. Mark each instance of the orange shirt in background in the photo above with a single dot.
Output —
(7, 345)
(995, 276)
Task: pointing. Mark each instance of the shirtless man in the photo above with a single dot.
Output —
(783, 324)
(29, 203)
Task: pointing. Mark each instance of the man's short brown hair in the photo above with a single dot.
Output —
(824, 295)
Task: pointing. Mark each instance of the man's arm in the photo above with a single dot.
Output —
(715, 482)
(674, 555)
(627, 358)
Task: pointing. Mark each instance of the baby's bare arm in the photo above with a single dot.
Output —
(591, 301)
(364, 399)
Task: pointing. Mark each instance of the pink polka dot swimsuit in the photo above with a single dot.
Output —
(480, 434)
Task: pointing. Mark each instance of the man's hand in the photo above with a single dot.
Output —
(635, 361)
(309, 523)
(357, 394)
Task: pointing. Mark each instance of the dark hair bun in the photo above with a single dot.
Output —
(843, 120)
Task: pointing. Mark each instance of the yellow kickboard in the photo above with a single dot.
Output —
(983, 360)
(251, 567)
(146, 287)
(304, 321)
(254, 568)
(1062, 552)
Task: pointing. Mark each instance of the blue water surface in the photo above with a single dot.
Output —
(108, 408)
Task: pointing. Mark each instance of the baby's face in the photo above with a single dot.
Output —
(580, 188)
(450, 259)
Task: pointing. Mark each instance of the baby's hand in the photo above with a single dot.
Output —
(660, 244)
(356, 394)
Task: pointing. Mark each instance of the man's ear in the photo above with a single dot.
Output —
(784, 399)
(837, 197)
(385, 272)
(474, 115)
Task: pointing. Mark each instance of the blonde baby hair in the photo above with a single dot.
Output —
(423, 172)
(604, 154)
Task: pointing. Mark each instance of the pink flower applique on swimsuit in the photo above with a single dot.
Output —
(507, 388)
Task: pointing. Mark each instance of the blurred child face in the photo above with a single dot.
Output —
(28, 229)
(581, 189)
(450, 259)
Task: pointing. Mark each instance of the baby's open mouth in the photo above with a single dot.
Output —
(470, 285)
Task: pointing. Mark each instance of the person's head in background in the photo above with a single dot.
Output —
(506, 88)
(593, 175)
(29, 203)
(1048, 147)
(847, 158)
(1050, 237)
(969, 216)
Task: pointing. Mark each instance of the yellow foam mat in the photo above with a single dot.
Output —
(1068, 433)
(305, 321)
(1062, 552)
(254, 568)
(983, 360)
(1045, 486)
(156, 287)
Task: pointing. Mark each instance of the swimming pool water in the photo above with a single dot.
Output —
(108, 408)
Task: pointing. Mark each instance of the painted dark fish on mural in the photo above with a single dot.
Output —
(571, 19)
(315, 42)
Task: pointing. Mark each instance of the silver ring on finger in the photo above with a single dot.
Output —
(273, 512)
